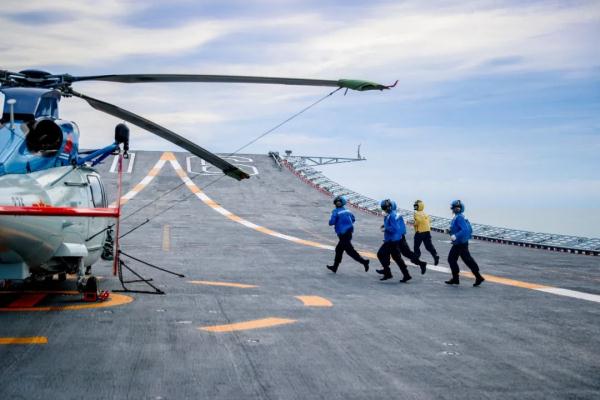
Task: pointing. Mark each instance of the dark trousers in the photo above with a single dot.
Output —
(391, 249)
(345, 244)
(424, 237)
(462, 251)
(407, 252)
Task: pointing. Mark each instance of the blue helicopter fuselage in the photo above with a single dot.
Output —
(37, 139)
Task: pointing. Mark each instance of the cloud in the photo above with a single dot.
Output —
(407, 40)
(94, 34)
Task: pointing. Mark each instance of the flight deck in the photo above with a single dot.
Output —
(258, 316)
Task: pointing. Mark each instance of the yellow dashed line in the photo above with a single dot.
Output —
(144, 182)
(315, 301)
(265, 230)
(154, 171)
(506, 281)
(24, 340)
(168, 156)
(309, 243)
(368, 254)
(242, 326)
(234, 217)
(229, 284)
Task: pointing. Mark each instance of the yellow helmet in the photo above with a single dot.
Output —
(419, 205)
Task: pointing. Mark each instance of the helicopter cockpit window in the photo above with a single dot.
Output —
(98, 197)
(47, 108)
(23, 107)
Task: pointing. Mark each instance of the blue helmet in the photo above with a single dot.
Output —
(341, 199)
(386, 205)
(457, 204)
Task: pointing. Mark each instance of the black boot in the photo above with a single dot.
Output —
(453, 281)
(366, 264)
(436, 260)
(380, 271)
(423, 266)
(386, 277)
(478, 280)
(406, 279)
(332, 268)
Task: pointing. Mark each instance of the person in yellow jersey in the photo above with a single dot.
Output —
(423, 232)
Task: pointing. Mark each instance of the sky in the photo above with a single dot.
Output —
(497, 102)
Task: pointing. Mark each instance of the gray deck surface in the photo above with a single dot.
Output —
(380, 340)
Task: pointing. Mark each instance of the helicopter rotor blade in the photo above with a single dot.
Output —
(359, 85)
(164, 133)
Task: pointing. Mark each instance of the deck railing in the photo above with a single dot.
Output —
(562, 243)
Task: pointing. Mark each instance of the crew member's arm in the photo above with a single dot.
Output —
(333, 218)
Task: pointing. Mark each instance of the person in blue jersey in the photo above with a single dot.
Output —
(343, 221)
(460, 233)
(393, 231)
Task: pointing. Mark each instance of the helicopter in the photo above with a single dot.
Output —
(54, 213)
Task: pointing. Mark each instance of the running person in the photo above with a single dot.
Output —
(423, 232)
(460, 233)
(343, 220)
(393, 231)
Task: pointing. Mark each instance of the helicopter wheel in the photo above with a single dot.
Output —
(62, 276)
(88, 284)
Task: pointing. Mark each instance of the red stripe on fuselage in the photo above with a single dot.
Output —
(60, 211)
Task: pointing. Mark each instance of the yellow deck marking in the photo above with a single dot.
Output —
(247, 325)
(229, 284)
(146, 181)
(154, 171)
(368, 254)
(24, 340)
(114, 300)
(315, 301)
(166, 242)
(505, 281)
(168, 156)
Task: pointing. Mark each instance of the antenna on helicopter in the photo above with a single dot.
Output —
(11, 103)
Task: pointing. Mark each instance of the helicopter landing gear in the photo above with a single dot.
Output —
(62, 276)
(85, 281)
(87, 284)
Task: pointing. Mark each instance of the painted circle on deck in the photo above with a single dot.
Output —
(60, 300)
